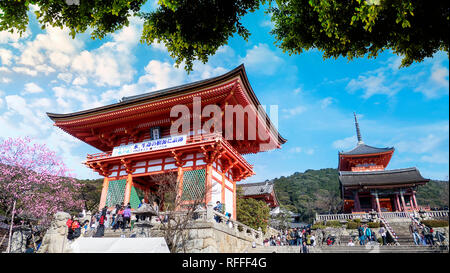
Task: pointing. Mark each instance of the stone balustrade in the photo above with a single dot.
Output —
(341, 217)
(238, 227)
(436, 214)
(386, 215)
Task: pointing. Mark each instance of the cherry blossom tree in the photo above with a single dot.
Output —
(34, 178)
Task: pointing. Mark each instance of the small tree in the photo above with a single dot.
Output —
(281, 220)
(252, 212)
(178, 210)
(36, 180)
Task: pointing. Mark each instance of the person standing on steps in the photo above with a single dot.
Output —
(382, 233)
(415, 233)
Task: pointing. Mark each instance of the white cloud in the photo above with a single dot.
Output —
(326, 102)
(438, 158)
(293, 111)
(32, 88)
(5, 80)
(8, 37)
(5, 56)
(371, 85)
(260, 59)
(59, 59)
(346, 143)
(82, 80)
(66, 77)
(296, 150)
(422, 145)
(162, 75)
(18, 105)
(437, 84)
(84, 62)
(25, 70)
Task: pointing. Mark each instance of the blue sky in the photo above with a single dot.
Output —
(408, 108)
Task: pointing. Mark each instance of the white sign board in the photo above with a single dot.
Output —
(150, 145)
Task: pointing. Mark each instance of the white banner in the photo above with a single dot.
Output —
(150, 145)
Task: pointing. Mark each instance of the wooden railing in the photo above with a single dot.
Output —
(194, 139)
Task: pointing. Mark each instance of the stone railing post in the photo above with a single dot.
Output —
(209, 212)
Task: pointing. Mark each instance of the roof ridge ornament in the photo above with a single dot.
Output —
(358, 133)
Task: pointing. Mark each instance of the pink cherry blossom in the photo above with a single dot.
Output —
(37, 179)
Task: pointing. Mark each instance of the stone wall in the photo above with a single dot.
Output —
(212, 237)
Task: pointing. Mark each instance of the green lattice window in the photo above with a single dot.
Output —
(116, 194)
(193, 184)
(135, 199)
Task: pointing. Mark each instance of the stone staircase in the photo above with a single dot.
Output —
(404, 237)
(352, 249)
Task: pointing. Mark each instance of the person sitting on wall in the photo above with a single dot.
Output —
(218, 208)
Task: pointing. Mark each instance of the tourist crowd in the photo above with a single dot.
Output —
(292, 237)
(423, 235)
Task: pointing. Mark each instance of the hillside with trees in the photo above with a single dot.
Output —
(317, 191)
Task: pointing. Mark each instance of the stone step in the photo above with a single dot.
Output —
(351, 249)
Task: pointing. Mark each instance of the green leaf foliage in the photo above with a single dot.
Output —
(414, 29)
(251, 212)
(195, 29)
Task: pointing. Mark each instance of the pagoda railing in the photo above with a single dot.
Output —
(194, 139)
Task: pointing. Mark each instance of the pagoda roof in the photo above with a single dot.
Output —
(83, 122)
(380, 178)
(259, 188)
(363, 149)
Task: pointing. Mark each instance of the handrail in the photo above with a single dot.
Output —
(389, 229)
(256, 234)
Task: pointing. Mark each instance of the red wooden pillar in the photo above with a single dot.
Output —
(414, 200)
(104, 193)
(222, 197)
(128, 186)
(234, 201)
(403, 201)
(357, 204)
(180, 185)
(208, 183)
(397, 203)
(378, 202)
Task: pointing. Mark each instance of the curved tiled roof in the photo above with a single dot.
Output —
(386, 177)
(257, 188)
(362, 149)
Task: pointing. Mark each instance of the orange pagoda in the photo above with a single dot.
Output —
(135, 140)
(366, 184)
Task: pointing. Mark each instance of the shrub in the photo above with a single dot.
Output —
(318, 226)
(435, 223)
(357, 220)
(333, 224)
(373, 225)
(352, 225)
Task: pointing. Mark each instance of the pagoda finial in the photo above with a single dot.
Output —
(358, 133)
